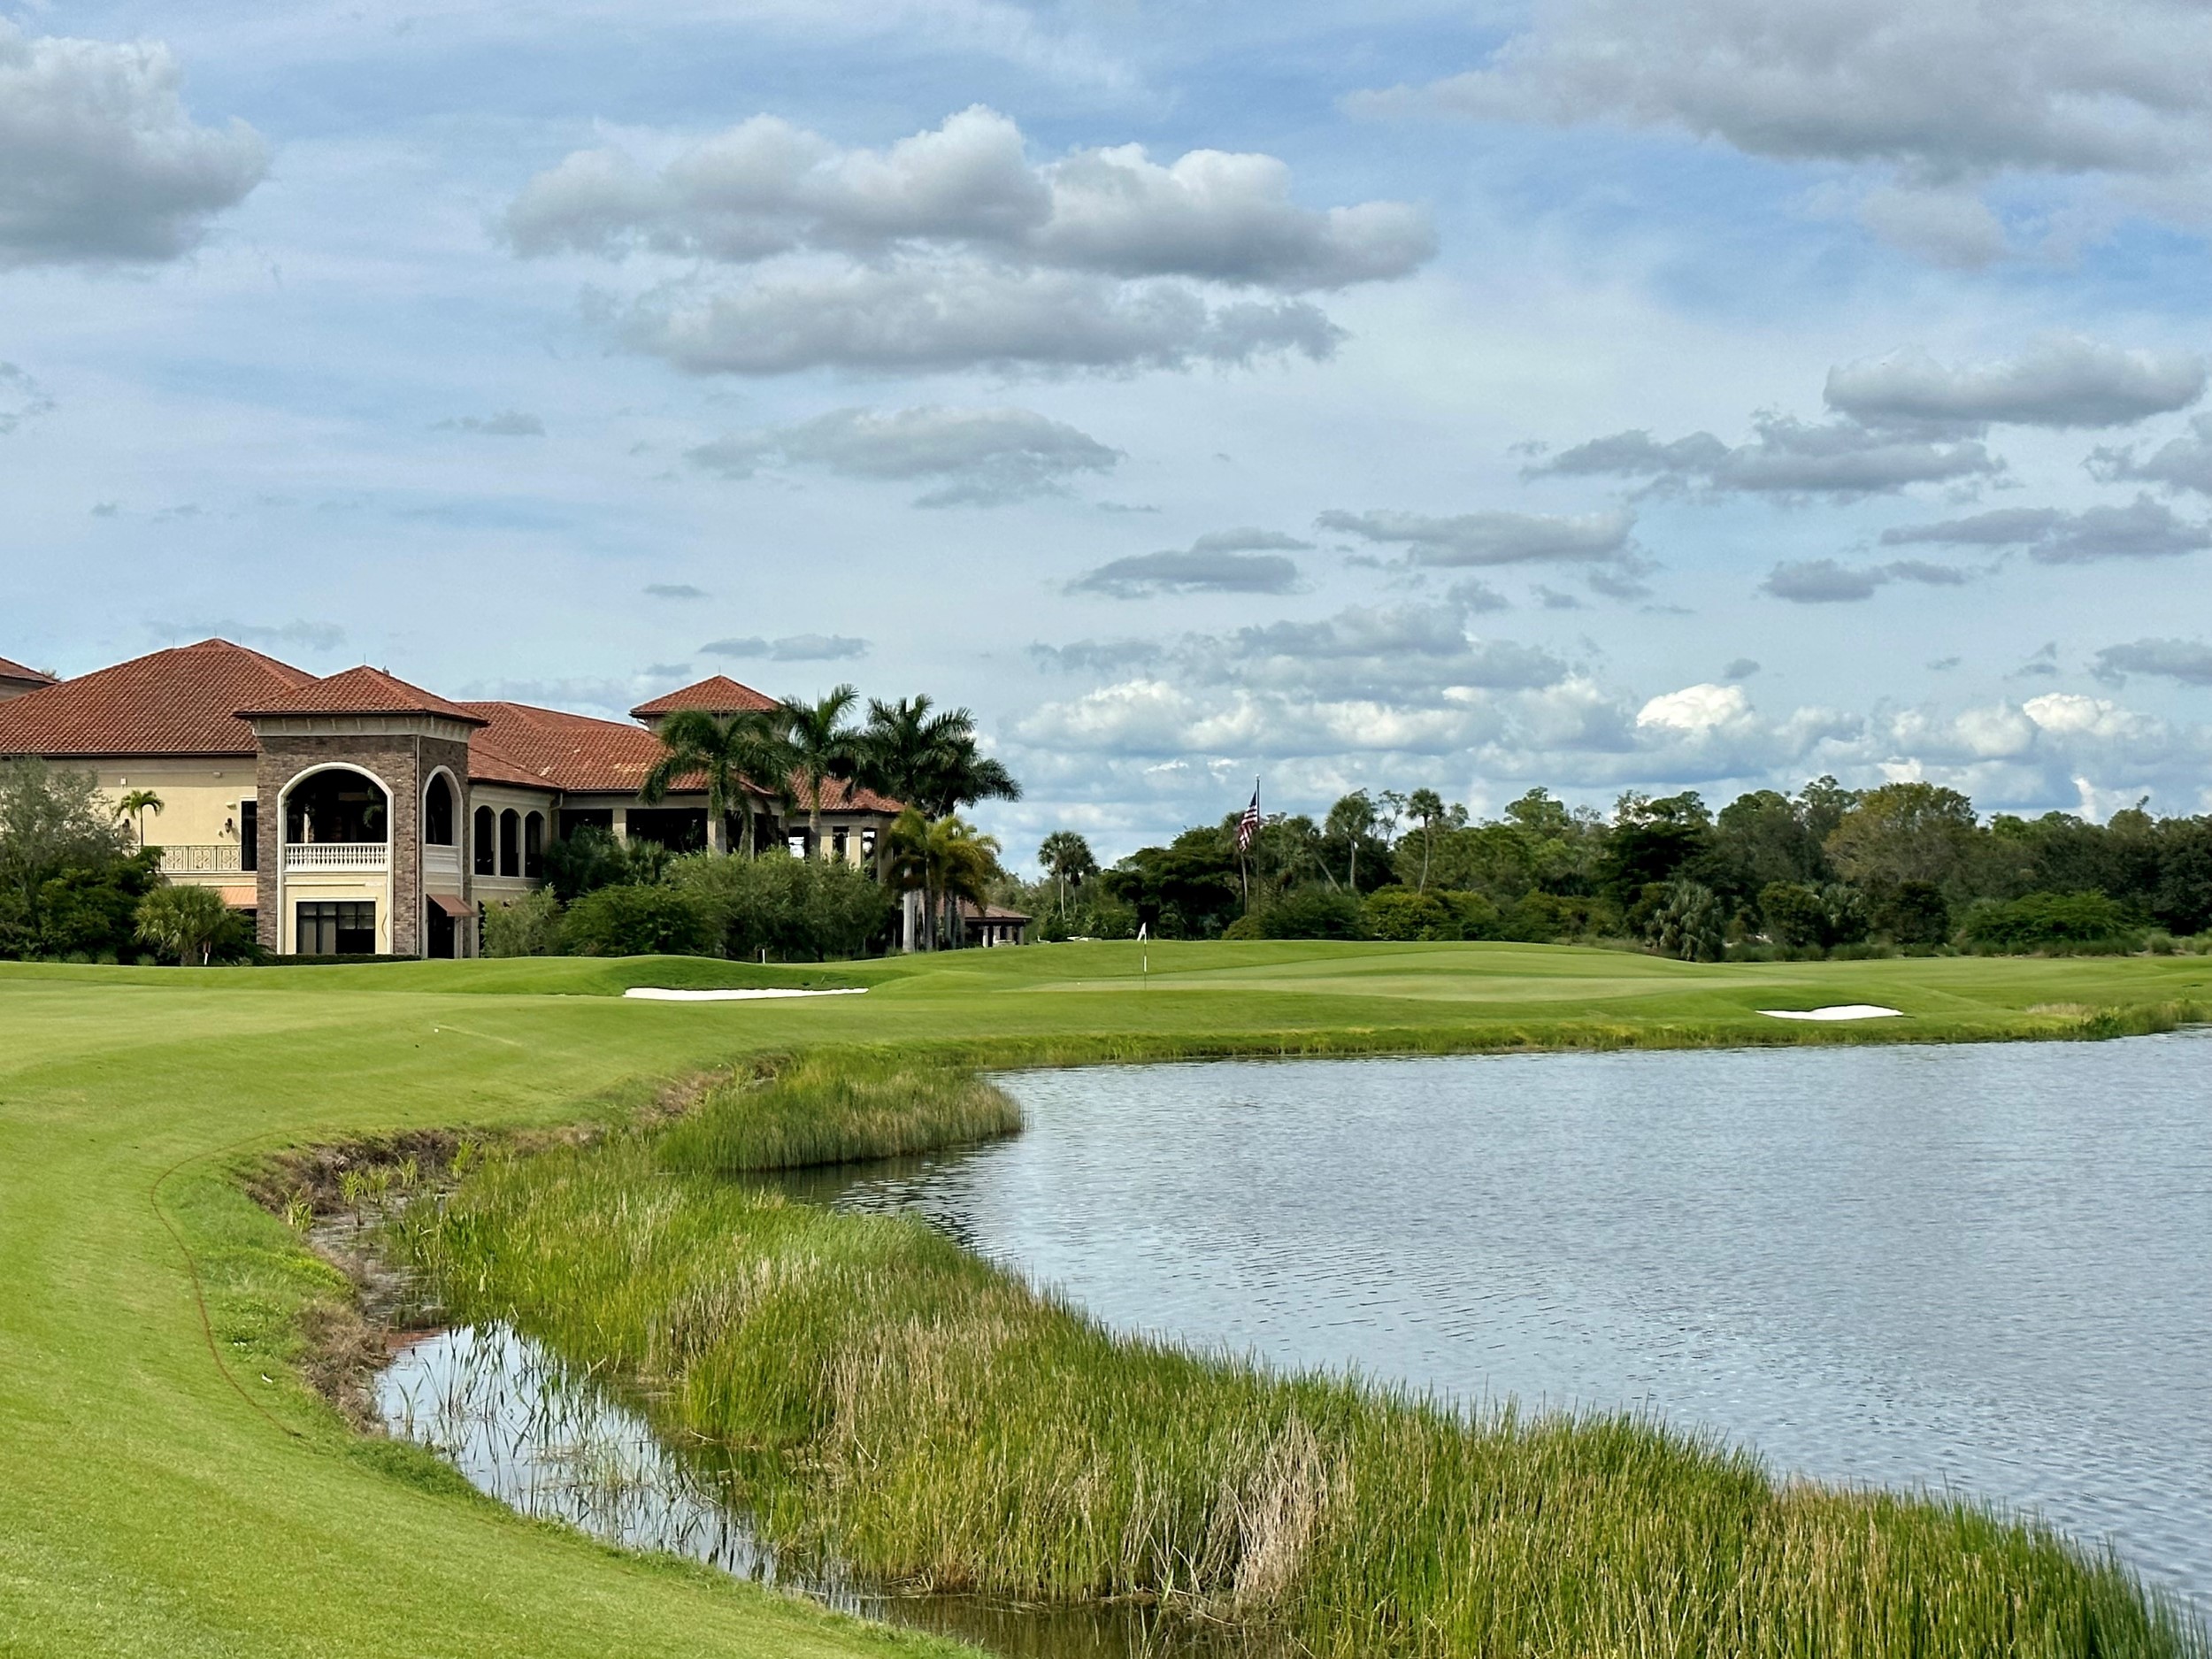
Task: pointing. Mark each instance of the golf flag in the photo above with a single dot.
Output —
(1248, 825)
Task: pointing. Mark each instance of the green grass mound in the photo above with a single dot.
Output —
(834, 1107)
(908, 1409)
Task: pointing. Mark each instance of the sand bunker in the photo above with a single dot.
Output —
(654, 994)
(1841, 1011)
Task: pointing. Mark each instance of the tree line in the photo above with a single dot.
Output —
(1908, 866)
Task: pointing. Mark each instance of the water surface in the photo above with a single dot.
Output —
(1984, 1268)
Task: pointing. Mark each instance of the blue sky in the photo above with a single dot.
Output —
(1584, 393)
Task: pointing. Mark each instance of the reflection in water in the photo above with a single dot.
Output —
(1983, 1268)
(557, 1445)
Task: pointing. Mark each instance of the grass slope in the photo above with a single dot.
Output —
(159, 1504)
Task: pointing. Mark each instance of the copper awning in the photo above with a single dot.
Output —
(454, 905)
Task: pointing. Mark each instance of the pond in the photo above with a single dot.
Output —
(1986, 1269)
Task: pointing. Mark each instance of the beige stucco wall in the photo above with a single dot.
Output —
(199, 812)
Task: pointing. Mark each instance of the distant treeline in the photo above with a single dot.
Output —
(1906, 867)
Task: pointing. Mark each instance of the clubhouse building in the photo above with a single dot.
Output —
(358, 813)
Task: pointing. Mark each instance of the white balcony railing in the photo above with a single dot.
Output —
(337, 855)
(219, 858)
(441, 861)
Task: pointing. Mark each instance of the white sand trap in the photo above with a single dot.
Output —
(1841, 1011)
(654, 994)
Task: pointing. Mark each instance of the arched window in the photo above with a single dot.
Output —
(534, 845)
(509, 842)
(437, 811)
(486, 831)
(335, 804)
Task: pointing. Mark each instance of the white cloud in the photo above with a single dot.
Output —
(951, 248)
(1787, 458)
(2062, 381)
(1220, 561)
(1827, 581)
(507, 423)
(977, 457)
(21, 398)
(2142, 529)
(1937, 91)
(793, 648)
(1481, 539)
(2182, 463)
(99, 159)
(1697, 709)
(2188, 661)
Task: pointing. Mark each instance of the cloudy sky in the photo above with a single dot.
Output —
(1584, 393)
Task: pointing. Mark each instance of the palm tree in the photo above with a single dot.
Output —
(1067, 857)
(928, 759)
(135, 805)
(822, 747)
(1427, 808)
(725, 752)
(947, 860)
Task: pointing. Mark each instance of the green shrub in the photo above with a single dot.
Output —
(1403, 913)
(2045, 921)
(192, 925)
(527, 926)
(795, 909)
(1309, 913)
(627, 921)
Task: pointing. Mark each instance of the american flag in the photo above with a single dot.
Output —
(1248, 825)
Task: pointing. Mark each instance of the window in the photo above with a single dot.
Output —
(486, 840)
(868, 844)
(509, 839)
(837, 843)
(534, 845)
(334, 805)
(250, 834)
(797, 842)
(437, 812)
(344, 928)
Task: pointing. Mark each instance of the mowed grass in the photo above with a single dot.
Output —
(918, 1415)
(166, 1500)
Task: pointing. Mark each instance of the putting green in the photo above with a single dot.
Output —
(157, 1502)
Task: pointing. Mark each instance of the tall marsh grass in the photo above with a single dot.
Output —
(908, 1409)
(837, 1108)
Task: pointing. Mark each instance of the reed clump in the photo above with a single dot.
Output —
(906, 1409)
(837, 1107)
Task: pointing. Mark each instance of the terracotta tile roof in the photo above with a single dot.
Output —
(719, 694)
(178, 702)
(363, 690)
(549, 749)
(16, 671)
(838, 796)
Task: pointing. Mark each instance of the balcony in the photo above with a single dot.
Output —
(219, 859)
(441, 861)
(349, 856)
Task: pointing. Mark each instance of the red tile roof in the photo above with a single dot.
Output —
(547, 748)
(363, 690)
(719, 694)
(16, 671)
(180, 702)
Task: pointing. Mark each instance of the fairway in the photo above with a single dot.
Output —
(159, 1504)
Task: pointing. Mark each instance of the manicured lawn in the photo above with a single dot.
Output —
(150, 1509)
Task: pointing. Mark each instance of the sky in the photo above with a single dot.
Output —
(1582, 394)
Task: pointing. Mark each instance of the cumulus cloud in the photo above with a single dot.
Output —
(951, 248)
(1220, 561)
(21, 398)
(793, 648)
(1482, 539)
(2062, 381)
(507, 423)
(2188, 661)
(2183, 462)
(1787, 458)
(1935, 92)
(2142, 529)
(1951, 228)
(976, 457)
(99, 159)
